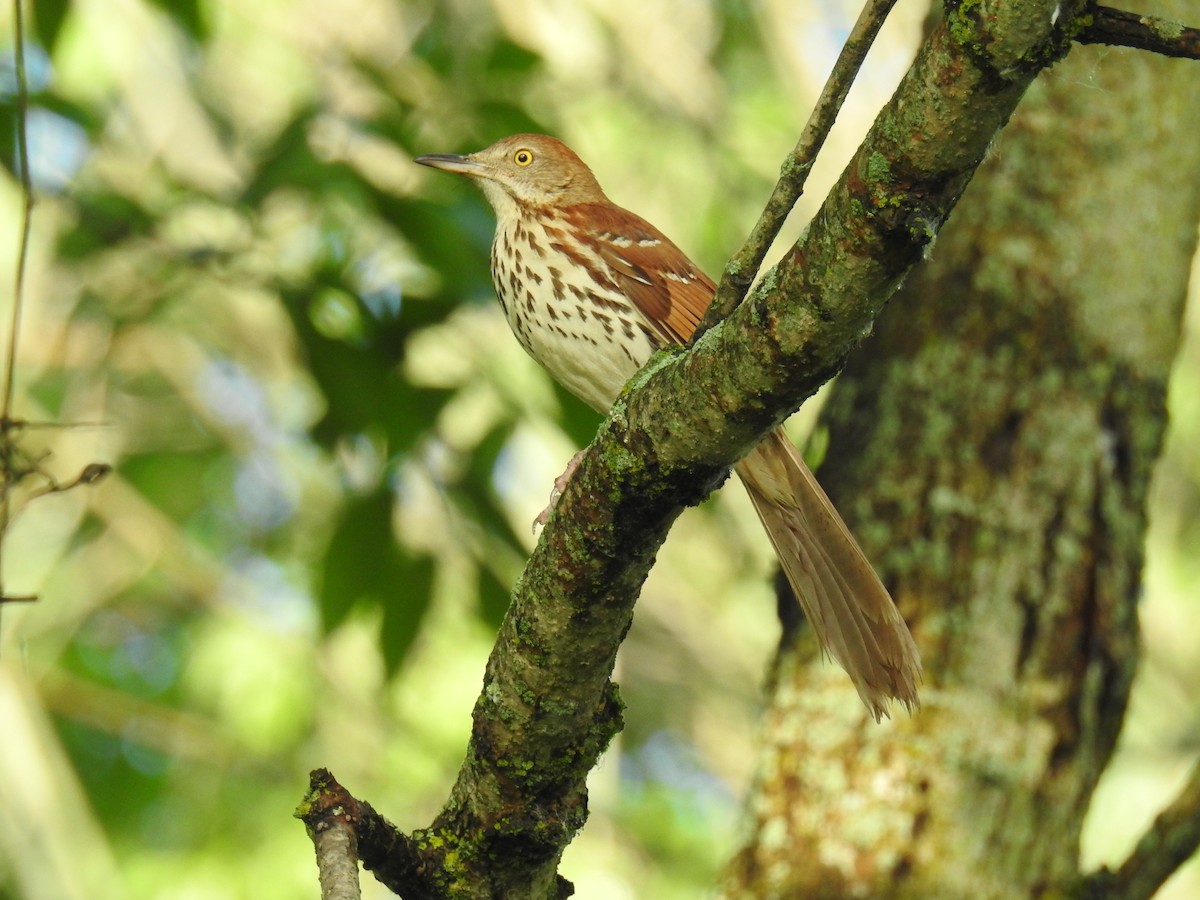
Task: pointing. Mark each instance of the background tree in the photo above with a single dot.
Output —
(998, 434)
(235, 273)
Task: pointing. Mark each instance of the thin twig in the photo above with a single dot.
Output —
(6, 421)
(89, 474)
(330, 814)
(740, 271)
(337, 863)
(27, 215)
(1118, 28)
(1168, 843)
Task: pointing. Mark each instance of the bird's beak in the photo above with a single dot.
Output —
(451, 162)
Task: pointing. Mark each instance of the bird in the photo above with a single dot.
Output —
(591, 291)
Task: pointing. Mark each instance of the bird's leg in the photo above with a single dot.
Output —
(560, 485)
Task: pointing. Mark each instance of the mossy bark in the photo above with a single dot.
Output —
(992, 447)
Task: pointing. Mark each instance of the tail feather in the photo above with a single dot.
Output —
(850, 610)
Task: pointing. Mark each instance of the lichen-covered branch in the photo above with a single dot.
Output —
(346, 830)
(1115, 27)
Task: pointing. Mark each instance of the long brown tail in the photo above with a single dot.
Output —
(850, 610)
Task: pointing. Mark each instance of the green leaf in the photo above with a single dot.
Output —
(188, 15)
(51, 387)
(104, 219)
(362, 381)
(364, 564)
(494, 597)
(511, 58)
(48, 16)
(289, 161)
(475, 494)
(578, 419)
(180, 484)
(361, 543)
(454, 240)
(508, 118)
(405, 611)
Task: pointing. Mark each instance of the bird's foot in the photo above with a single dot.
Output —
(560, 485)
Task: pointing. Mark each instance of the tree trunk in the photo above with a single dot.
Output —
(992, 447)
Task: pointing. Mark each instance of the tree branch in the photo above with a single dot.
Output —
(740, 270)
(548, 708)
(1168, 843)
(1125, 29)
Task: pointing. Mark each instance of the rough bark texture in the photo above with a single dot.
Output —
(992, 447)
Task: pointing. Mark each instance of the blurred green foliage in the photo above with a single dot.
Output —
(327, 448)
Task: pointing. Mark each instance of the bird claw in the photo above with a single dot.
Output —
(543, 517)
(560, 485)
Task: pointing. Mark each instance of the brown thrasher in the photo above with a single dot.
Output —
(591, 291)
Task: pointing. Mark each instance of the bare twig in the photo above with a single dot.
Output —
(1118, 28)
(15, 464)
(337, 863)
(27, 213)
(6, 391)
(90, 474)
(740, 270)
(384, 851)
(330, 814)
(1168, 843)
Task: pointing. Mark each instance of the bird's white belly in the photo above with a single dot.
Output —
(590, 347)
(577, 351)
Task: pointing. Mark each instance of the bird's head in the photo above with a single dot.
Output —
(524, 170)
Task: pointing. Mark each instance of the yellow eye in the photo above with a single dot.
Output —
(523, 157)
